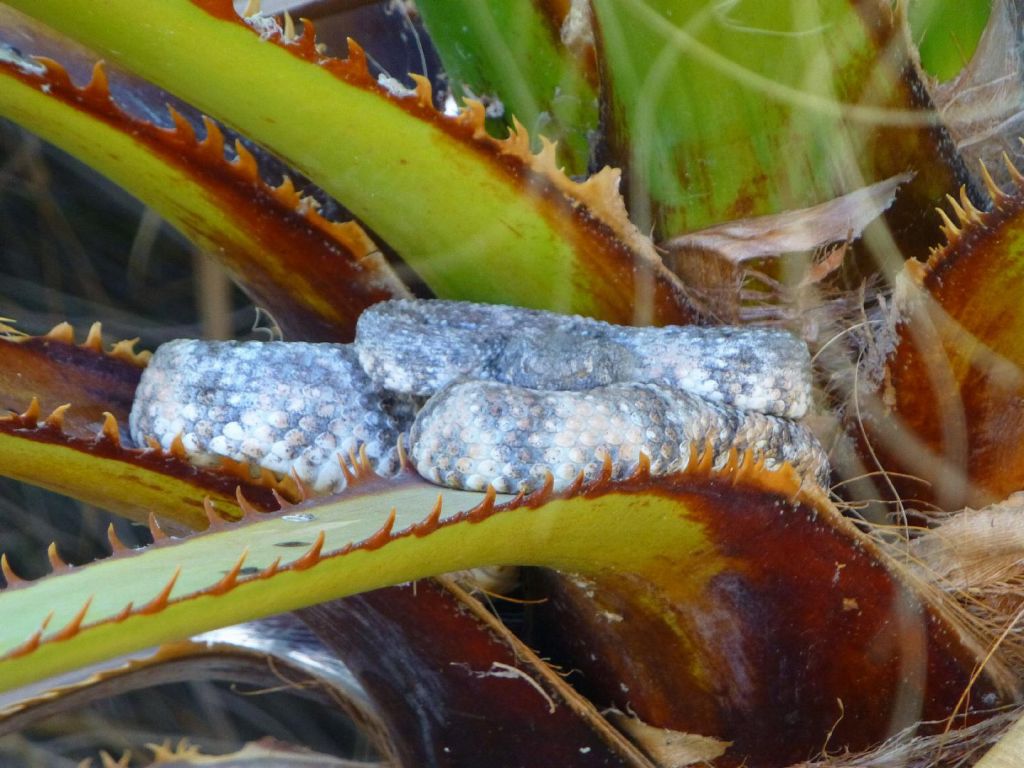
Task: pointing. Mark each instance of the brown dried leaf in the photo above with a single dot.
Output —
(671, 749)
(976, 547)
(794, 231)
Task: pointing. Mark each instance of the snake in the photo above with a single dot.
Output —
(485, 396)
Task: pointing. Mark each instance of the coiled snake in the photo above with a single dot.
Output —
(489, 395)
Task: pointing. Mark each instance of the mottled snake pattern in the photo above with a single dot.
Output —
(487, 395)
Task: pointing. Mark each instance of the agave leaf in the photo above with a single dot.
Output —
(709, 101)
(456, 196)
(515, 51)
(696, 547)
(161, 578)
(495, 689)
(943, 398)
(850, 627)
(56, 371)
(78, 450)
(314, 276)
(947, 33)
(259, 654)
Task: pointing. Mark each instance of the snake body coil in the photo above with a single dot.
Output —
(512, 395)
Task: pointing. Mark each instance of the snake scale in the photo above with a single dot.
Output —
(488, 395)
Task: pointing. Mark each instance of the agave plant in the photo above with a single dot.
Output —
(644, 162)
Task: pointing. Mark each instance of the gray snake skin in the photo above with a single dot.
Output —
(489, 395)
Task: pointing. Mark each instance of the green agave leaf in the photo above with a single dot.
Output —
(257, 654)
(182, 586)
(675, 545)
(514, 51)
(947, 33)
(720, 111)
(455, 196)
(313, 275)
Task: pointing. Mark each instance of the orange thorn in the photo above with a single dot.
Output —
(1015, 173)
(212, 144)
(365, 468)
(994, 191)
(154, 528)
(182, 127)
(285, 191)
(252, 7)
(154, 444)
(356, 57)
(282, 502)
(212, 515)
(271, 569)
(31, 414)
(62, 332)
(731, 462)
(9, 575)
(116, 545)
(485, 508)
(178, 447)
(55, 71)
(98, 86)
(32, 643)
(403, 457)
(744, 465)
(94, 339)
(312, 555)
(71, 628)
(27, 647)
(968, 205)
(383, 534)
(606, 469)
(305, 492)
(246, 163)
(577, 485)
(949, 229)
(248, 510)
(110, 431)
(350, 477)
(643, 467)
(56, 562)
(548, 488)
(230, 579)
(961, 214)
(55, 420)
(308, 39)
(430, 523)
(289, 28)
(474, 116)
(705, 459)
(124, 614)
(159, 602)
(424, 91)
